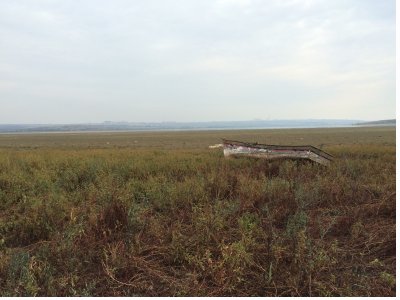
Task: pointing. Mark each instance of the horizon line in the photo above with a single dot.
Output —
(184, 122)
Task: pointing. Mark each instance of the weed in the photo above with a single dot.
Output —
(166, 216)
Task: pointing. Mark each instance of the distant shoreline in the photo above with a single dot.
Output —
(109, 126)
(37, 131)
(390, 122)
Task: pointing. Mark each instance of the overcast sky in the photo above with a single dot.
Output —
(205, 60)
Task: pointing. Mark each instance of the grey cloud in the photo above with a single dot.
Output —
(173, 60)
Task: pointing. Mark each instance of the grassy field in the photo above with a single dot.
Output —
(160, 214)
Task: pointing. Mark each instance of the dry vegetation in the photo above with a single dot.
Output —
(160, 214)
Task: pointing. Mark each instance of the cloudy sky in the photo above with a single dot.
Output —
(65, 61)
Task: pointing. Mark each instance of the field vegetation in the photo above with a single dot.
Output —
(160, 214)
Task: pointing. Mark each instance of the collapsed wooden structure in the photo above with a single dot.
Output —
(236, 148)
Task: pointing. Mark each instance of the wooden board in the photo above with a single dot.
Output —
(236, 148)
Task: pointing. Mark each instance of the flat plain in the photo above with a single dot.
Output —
(160, 214)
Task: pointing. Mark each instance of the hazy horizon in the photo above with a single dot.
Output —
(69, 62)
(211, 121)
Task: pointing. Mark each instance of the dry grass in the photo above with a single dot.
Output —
(170, 217)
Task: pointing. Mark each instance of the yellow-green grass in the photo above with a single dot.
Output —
(101, 214)
(201, 139)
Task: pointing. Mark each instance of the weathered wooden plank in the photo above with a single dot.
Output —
(236, 148)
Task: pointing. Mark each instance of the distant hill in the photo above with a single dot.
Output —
(378, 123)
(137, 126)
